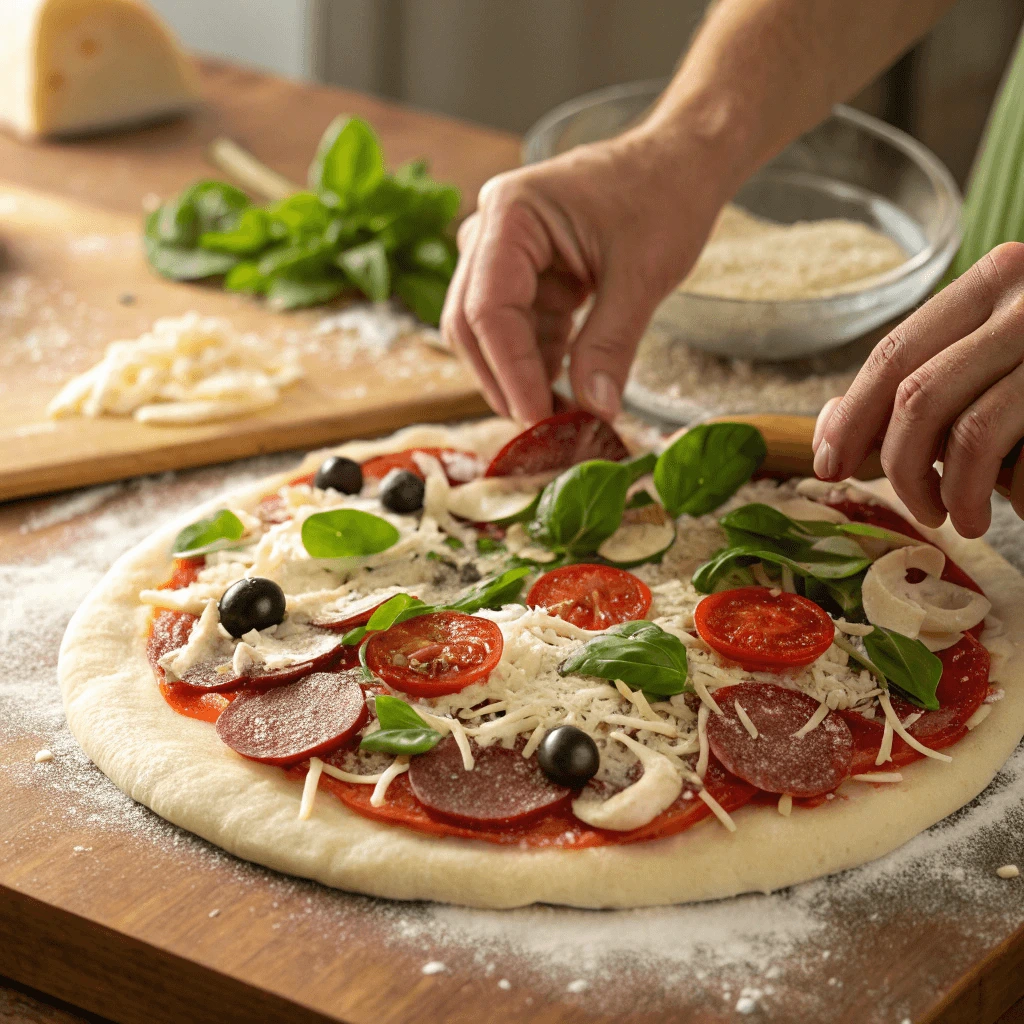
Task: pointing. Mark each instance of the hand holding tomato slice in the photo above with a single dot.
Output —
(591, 596)
(762, 631)
(435, 654)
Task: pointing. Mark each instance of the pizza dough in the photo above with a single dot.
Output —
(179, 768)
(68, 67)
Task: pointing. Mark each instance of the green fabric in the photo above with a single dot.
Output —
(994, 206)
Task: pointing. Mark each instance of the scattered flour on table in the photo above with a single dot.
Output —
(751, 954)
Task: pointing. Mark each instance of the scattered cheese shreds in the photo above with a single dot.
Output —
(44, 755)
(337, 773)
(1008, 871)
(399, 765)
(785, 805)
(813, 722)
(744, 718)
(897, 726)
(702, 739)
(316, 766)
(885, 750)
(978, 717)
(878, 777)
(718, 810)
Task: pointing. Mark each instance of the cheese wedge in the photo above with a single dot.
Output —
(72, 67)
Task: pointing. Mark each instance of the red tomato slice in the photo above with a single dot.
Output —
(558, 443)
(460, 467)
(591, 596)
(435, 654)
(762, 631)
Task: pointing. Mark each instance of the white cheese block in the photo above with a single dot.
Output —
(70, 67)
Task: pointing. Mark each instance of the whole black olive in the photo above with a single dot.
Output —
(340, 474)
(251, 603)
(402, 491)
(568, 756)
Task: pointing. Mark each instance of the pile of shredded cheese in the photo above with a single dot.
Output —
(187, 369)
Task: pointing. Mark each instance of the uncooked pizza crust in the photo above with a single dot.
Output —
(179, 767)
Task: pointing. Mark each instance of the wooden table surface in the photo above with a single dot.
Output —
(280, 122)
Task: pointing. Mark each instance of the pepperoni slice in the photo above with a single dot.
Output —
(216, 677)
(504, 788)
(286, 725)
(557, 443)
(343, 625)
(962, 689)
(459, 467)
(761, 630)
(435, 654)
(777, 761)
(591, 596)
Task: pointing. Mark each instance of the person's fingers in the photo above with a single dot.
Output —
(983, 434)
(848, 435)
(553, 333)
(500, 294)
(1017, 486)
(454, 326)
(931, 398)
(602, 352)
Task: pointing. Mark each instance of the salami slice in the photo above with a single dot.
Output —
(217, 677)
(503, 789)
(778, 761)
(459, 467)
(558, 443)
(289, 723)
(962, 689)
(350, 621)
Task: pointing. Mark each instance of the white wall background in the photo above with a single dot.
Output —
(271, 34)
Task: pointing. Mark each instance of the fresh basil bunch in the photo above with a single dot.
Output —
(641, 654)
(357, 228)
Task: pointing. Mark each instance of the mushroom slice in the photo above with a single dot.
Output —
(807, 510)
(638, 804)
(931, 607)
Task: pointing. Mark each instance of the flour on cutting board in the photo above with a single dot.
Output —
(740, 956)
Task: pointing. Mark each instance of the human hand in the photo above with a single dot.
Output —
(622, 220)
(947, 383)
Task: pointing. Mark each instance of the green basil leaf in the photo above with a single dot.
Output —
(346, 533)
(706, 466)
(488, 545)
(348, 164)
(291, 293)
(367, 268)
(640, 500)
(435, 254)
(412, 170)
(454, 543)
(641, 654)
(423, 294)
(581, 507)
(907, 664)
(180, 263)
(246, 277)
(401, 741)
(354, 636)
(205, 535)
(493, 593)
(640, 466)
(253, 231)
(302, 217)
(394, 610)
(395, 713)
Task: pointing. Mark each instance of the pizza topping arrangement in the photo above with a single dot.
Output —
(456, 647)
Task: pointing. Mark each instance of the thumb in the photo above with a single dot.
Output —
(603, 350)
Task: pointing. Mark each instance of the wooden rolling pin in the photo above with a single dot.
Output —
(789, 448)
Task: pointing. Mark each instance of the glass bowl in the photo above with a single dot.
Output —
(851, 165)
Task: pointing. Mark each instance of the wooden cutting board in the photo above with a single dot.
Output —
(73, 278)
(106, 906)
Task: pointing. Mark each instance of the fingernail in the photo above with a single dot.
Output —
(604, 395)
(822, 421)
(826, 461)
